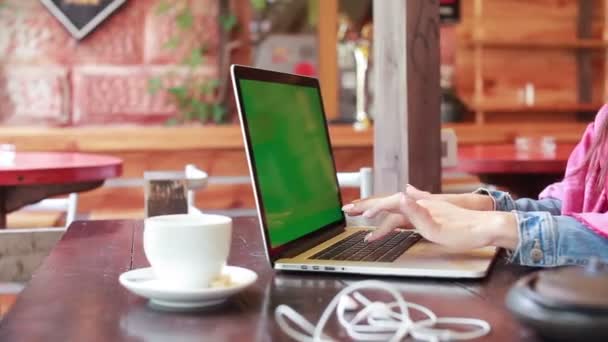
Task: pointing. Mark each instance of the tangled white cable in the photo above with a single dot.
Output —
(377, 321)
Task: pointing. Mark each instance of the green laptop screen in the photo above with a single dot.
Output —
(295, 172)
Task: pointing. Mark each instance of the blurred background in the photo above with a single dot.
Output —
(147, 80)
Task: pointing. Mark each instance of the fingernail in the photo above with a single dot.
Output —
(348, 207)
(367, 237)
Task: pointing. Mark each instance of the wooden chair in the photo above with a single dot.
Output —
(24, 249)
(67, 205)
(363, 180)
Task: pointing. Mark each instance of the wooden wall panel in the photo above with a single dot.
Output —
(156, 138)
(352, 159)
(164, 148)
(114, 202)
(530, 117)
(505, 133)
(515, 42)
(505, 73)
(215, 196)
(222, 162)
(216, 149)
(514, 20)
(352, 152)
(218, 163)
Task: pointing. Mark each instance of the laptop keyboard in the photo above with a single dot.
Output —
(354, 248)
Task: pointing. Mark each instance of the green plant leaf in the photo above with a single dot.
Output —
(190, 115)
(258, 5)
(228, 22)
(184, 19)
(178, 91)
(206, 89)
(172, 43)
(209, 87)
(214, 83)
(172, 122)
(181, 96)
(162, 7)
(218, 112)
(201, 109)
(154, 85)
(195, 58)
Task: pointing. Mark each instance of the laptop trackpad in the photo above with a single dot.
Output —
(428, 254)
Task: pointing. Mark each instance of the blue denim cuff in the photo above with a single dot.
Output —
(502, 200)
(537, 239)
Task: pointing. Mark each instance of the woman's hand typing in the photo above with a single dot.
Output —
(438, 220)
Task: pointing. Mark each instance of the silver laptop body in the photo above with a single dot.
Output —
(296, 191)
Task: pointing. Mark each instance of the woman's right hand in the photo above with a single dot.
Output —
(444, 223)
(396, 218)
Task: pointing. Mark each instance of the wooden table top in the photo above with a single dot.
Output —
(75, 295)
(504, 158)
(31, 168)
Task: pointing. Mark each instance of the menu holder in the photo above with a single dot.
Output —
(165, 193)
(173, 192)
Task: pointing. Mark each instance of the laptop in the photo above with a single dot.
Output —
(298, 197)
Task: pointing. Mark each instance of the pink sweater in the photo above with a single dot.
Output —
(579, 198)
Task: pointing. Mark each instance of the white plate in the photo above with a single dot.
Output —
(142, 282)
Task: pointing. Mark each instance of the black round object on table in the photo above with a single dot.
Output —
(568, 303)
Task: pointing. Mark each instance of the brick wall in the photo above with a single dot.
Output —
(49, 78)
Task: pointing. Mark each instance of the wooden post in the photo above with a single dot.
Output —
(328, 56)
(478, 38)
(407, 146)
(244, 15)
(583, 56)
(3, 211)
(605, 52)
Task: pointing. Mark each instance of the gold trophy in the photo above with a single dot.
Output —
(361, 52)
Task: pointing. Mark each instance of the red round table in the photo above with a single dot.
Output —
(524, 175)
(33, 176)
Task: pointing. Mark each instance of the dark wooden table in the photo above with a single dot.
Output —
(34, 176)
(75, 295)
(523, 174)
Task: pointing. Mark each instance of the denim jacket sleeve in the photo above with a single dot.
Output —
(546, 238)
(504, 202)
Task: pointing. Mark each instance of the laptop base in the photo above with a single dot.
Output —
(423, 259)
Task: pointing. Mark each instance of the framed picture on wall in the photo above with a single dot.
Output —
(80, 17)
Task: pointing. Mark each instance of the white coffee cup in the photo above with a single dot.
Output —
(187, 251)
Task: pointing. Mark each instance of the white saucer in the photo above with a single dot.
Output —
(143, 283)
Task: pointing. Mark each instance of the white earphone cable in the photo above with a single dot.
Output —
(377, 320)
